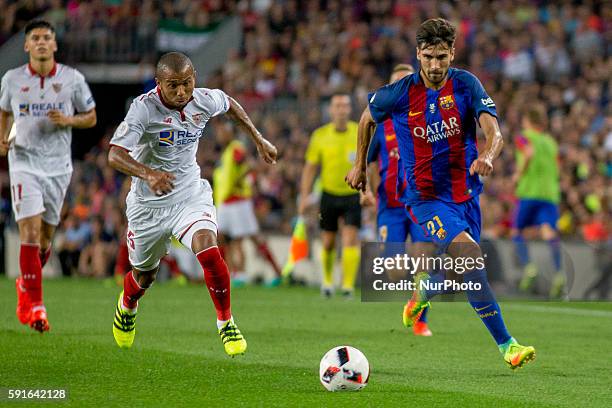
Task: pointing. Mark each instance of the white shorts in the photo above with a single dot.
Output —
(237, 219)
(150, 229)
(33, 195)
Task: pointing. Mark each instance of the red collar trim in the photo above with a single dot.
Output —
(50, 74)
(161, 98)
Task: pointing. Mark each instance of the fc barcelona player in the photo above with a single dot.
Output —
(392, 221)
(434, 113)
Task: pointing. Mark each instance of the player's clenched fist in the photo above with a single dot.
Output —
(482, 166)
(58, 118)
(160, 182)
(267, 151)
(356, 178)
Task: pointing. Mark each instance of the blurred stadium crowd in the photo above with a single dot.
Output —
(296, 54)
(110, 30)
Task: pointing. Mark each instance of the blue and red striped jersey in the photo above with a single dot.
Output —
(436, 133)
(383, 149)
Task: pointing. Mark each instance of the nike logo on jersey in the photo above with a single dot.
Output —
(412, 114)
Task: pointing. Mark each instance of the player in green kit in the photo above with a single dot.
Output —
(537, 188)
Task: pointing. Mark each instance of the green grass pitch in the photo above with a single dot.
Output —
(178, 360)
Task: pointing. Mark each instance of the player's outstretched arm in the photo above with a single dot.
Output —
(356, 178)
(84, 120)
(159, 182)
(6, 119)
(483, 165)
(266, 150)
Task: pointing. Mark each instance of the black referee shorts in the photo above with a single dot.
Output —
(334, 206)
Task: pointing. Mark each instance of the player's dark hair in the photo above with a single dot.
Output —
(436, 31)
(402, 67)
(38, 23)
(173, 62)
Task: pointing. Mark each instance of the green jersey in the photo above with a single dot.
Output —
(540, 180)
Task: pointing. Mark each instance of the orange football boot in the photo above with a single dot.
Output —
(421, 329)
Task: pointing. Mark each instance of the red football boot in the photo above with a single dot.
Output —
(38, 319)
(24, 307)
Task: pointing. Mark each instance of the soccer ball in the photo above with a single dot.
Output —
(344, 368)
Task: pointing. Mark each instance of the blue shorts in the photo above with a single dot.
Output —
(394, 225)
(443, 221)
(536, 212)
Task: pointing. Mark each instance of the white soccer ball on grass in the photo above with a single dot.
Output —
(344, 368)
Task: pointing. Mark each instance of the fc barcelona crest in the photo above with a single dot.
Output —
(197, 118)
(447, 102)
(57, 87)
(441, 234)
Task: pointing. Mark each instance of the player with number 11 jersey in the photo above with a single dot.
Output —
(45, 100)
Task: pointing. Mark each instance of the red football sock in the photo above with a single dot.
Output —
(122, 265)
(217, 279)
(222, 250)
(44, 257)
(263, 249)
(31, 272)
(131, 291)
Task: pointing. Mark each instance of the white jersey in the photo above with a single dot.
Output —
(167, 139)
(40, 147)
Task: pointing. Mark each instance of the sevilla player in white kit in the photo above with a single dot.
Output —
(41, 98)
(156, 144)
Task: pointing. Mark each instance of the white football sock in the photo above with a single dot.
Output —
(221, 323)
